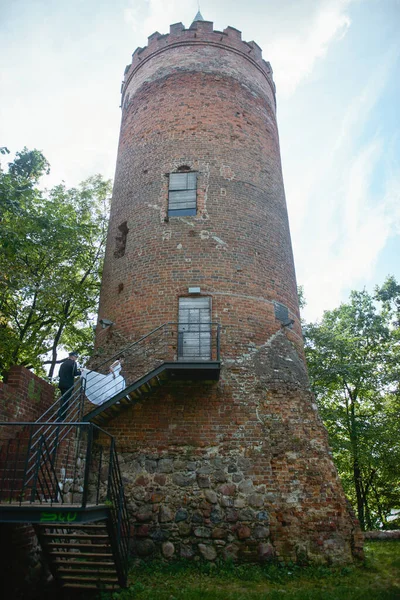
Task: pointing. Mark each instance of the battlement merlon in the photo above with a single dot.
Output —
(200, 32)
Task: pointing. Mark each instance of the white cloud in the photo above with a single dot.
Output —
(147, 16)
(349, 247)
(294, 56)
(360, 107)
(132, 16)
(350, 220)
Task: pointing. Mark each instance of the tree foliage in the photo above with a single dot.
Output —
(351, 356)
(51, 251)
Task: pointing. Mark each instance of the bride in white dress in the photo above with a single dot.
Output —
(100, 388)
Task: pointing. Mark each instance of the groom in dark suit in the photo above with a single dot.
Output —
(67, 373)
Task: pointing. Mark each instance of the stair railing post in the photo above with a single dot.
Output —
(218, 341)
(28, 451)
(110, 468)
(119, 521)
(87, 466)
(82, 399)
(36, 475)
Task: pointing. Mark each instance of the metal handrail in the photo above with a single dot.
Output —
(163, 344)
(45, 460)
(164, 325)
(53, 410)
(46, 487)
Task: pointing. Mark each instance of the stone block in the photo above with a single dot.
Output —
(181, 515)
(143, 548)
(216, 516)
(183, 480)
(186, 551)
(168, 549)
(160, 479)
(151, 466)
(246, 486)
(165, 514)
(226, 501)
(256, 500)
(227, 489)
(202, 532)
(207, 552)
(220, 476)
(231, 552)
(219, 533)
(145, 513)
(246, 514)
(211, 496)
(266, 552)
(184, 529)
(243, 532)
(165, 465)
(203, 481)
(260, 532)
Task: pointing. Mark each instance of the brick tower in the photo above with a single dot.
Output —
(234, 465)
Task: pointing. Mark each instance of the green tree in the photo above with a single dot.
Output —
(349, 355)
(51, 251)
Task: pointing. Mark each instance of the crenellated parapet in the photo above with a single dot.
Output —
(200, 33)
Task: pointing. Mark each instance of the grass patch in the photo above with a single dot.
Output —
(377, 579)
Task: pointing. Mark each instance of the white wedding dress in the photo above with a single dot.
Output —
(100, 388)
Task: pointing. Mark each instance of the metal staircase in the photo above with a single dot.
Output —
(61, 473)
(72, 494)
(169, 352)
(80, 555)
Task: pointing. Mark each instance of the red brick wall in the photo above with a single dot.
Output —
(212, 108)
(23, 398)
(239, 468)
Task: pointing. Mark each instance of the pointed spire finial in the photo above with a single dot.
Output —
(198, 17)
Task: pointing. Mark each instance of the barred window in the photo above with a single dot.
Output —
(182, 194)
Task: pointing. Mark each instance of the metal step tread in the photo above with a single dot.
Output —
(72, 526)
(88, 587)
(87, 571)
(75, 545)
(80, 554)
(88, 579)
(88, 563)
(91, 536)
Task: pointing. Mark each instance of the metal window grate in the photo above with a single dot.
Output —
(182, 194)
(194, 337)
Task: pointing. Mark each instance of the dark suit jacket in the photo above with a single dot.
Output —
(68, 370)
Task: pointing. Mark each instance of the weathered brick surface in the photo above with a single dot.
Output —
(238, 464)
(238, 468)
(24, 397)
(212, 110)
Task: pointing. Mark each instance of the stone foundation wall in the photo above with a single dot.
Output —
(238, 468)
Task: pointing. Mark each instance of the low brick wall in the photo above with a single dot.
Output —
(24, 397)
(393, 534)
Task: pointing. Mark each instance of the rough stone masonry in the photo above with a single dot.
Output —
(237, 468)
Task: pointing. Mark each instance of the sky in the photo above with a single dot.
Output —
(336, 66)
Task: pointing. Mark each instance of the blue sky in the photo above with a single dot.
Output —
(337, 68)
